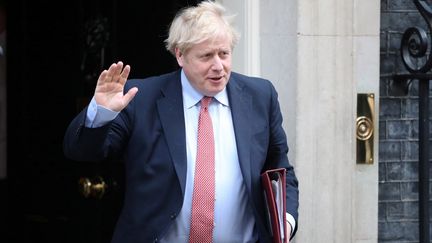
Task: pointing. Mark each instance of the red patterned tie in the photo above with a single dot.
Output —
(202, 218)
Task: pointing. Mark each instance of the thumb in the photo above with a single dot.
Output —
(130, 95)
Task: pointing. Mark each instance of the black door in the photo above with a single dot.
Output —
(55, 51)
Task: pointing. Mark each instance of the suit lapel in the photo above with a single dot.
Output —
(170, 108)
(241, 108)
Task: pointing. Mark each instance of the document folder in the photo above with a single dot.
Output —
(273, 182)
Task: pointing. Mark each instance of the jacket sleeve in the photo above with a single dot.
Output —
(278, 156)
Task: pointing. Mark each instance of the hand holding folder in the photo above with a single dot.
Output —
(273, 182)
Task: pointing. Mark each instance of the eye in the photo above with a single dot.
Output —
(206, 56)
(224, 54)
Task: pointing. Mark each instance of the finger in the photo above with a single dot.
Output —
(124, 74)
(114, 72)
(103, 77)
(117, 71)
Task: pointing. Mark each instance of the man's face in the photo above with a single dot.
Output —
(207, 65)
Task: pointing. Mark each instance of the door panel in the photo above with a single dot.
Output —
(54, 57)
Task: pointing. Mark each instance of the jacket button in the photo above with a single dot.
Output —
(173, 216)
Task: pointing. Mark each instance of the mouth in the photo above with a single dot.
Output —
(216, 78)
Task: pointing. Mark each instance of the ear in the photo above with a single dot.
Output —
(179, 57)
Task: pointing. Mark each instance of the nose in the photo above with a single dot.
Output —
(217, 64)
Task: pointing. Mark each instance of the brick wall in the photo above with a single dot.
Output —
(398, 138)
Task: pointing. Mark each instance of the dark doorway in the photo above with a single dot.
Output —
(56, 50)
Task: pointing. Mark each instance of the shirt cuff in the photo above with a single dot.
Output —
(290, 219)
(98, 116)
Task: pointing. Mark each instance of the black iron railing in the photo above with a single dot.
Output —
(416, 56)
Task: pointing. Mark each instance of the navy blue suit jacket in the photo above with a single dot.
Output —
(149, 136)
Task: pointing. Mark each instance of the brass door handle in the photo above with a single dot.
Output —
(92, 187)
(365, 128)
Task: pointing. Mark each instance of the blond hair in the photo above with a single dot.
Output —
(193, 25)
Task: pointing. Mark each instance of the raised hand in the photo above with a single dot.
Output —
(110, 86)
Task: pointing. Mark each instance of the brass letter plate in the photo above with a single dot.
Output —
(365, 128)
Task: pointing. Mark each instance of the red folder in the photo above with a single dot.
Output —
(273, 182)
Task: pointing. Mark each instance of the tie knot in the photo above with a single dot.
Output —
(205, 101)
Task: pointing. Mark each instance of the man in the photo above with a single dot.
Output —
(153, 125)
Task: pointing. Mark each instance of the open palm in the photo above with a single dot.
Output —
(110, 87)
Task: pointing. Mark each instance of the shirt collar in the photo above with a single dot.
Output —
(191, 96)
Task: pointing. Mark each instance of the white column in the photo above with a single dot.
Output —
(325, 120)
(366, 44)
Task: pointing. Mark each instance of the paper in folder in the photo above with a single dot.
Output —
(273, 182)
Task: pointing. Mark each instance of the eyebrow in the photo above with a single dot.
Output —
(202, 51)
